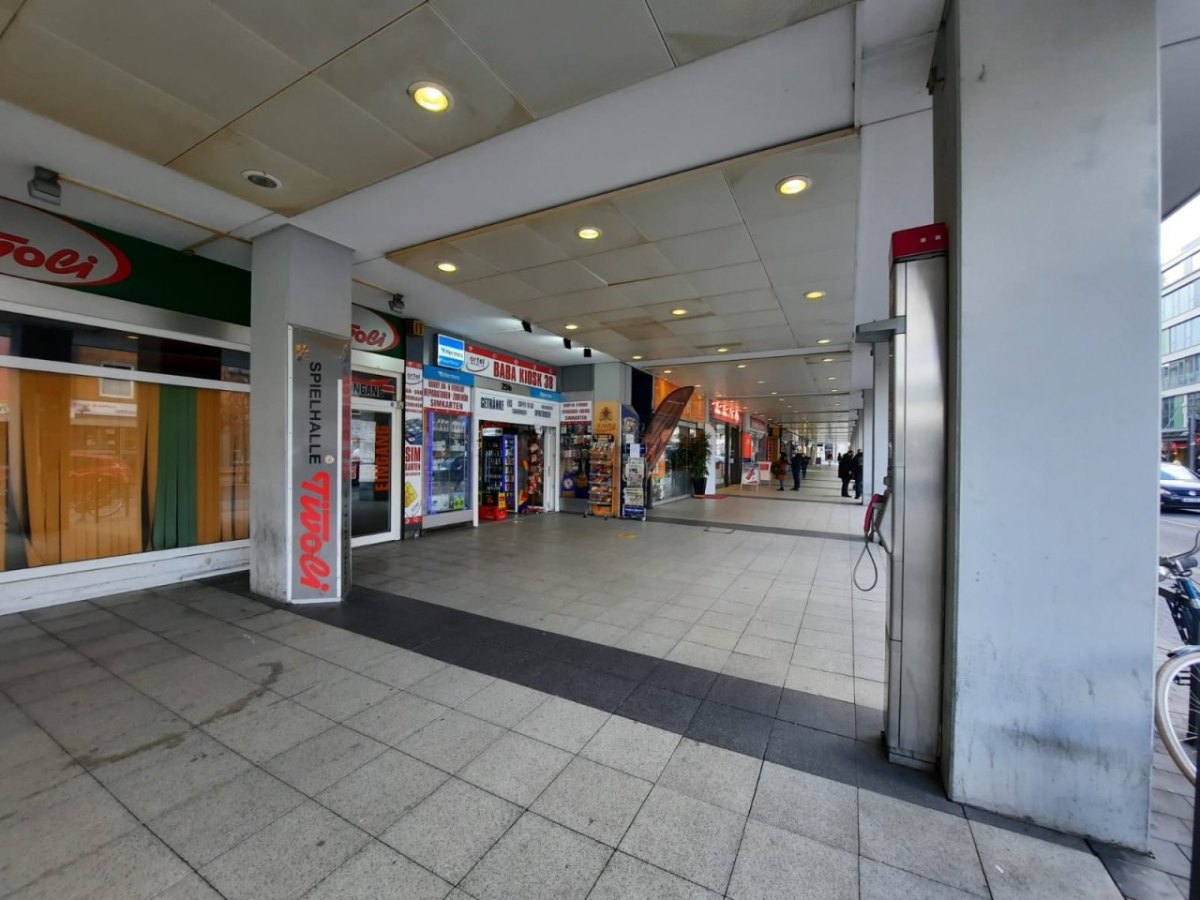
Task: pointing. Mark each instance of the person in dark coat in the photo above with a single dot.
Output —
(797, 468)
(856, 472)
(803, 466)
(846, 471)
(780, 469)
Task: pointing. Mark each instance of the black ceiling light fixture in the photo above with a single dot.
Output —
(45, 186)
(567, 343)
(528, 326)
(587, 352)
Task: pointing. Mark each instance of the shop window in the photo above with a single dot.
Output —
(85, 475)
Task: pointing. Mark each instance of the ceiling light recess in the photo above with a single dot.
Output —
(814, 295)
(447, 266)
(722, 349)
(589, 233)
(823, 341)
(741, 365)
(431, 96)
(572, 327)
(679, 312)
(793, 184)
(261, 179)
(636, 356)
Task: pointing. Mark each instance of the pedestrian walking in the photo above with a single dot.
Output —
(856, 472)
(779, 469)
(845, 471)
(797, 469)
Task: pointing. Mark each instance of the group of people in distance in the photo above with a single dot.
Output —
(850, 469)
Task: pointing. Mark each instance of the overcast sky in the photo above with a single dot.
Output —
(1181, 228)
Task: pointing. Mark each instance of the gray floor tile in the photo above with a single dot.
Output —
(451, 686)
(343, 696)
(451, 741)
(394, 719)
(882, 882)
(190, 887)
(503, 703)
(375, 796)
(403, 668)
(207, 825)
(286, 858)
(266, 727)
(47, 684)
(593, 800)
(936, 845)
(20, 781)
(378, 872)
(713, 774)
(691, 838)
(538, 860)
(562, 723)
(1020, 867)
(452, 829)
(313, 765)
(773, 864)
(516, 767)
(632, 747)
(125, 661)
(808, 805)
(626, 878)
(135, 866)
(194, 688)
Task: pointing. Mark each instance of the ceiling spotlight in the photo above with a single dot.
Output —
(430, 96)
(528, 326)
(793, 184)
(396, 303)
(814, 295)
(588, 233)
(567, 343)
(761, 382)
(637, 356)
(679, 312)
(572, 327)
(446, 266)
(831, 378)
(587, 352)
(823, 341)
(741, 365)
(666, 371)
(834, 391)
(827, 359)
(44, 186)
(773, 393)
(722, 349)
(261, 179)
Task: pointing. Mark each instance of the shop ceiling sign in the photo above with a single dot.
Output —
(40, 246)
(451, 352)
(375, 332)
(490, 364)
(726, 411)
(498, 407)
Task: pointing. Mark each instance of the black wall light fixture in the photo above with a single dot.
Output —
(567, 343)
(527, 326)
(45, 186)
(587, 352)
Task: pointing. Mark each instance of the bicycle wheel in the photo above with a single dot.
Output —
(1177, 708)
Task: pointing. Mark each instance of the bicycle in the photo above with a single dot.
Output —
(1177, 684)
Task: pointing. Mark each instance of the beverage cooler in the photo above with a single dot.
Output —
(498, 482)
(448, 486)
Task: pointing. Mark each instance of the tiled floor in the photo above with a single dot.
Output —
(188, 742)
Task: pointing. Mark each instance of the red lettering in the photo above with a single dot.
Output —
(314, 522)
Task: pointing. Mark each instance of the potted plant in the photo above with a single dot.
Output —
(692, 455)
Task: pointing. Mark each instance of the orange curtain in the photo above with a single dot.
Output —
(235, 466)
(45, 410)
(209, 464)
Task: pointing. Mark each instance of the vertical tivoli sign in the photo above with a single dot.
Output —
(318, 527)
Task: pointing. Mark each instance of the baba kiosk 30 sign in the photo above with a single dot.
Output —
(40, 246)
(490, 364)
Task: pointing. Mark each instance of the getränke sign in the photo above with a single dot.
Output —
(513, 408)
(491, 364)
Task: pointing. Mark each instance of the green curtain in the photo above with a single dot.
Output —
(175, 497)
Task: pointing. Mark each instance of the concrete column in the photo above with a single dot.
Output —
(1047, 172)
(302, 280)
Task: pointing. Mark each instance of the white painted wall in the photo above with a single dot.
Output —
(298, 279)
(1054, 237)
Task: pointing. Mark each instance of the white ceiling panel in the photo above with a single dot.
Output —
(424, 261)
(314, 31)
(511, 247)
(598, 300)
(561, 229)
(800, 270)
(697, 28)
(669, 289)
(502, 290)
(832, 168)
(730, 279)
(744, 302)
(555, 55)
(560, 278)
(665, 312)
(630, 264)
(101, 99)
(681, 206)
(710, 249)
(192, 51)
(376, 75)
(699, 326)
(832, 229)
(315, 125)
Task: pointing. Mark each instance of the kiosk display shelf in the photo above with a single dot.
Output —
(449, 482)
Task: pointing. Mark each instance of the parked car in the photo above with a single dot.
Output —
(1178, 487)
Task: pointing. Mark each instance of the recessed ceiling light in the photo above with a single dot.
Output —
(430, 96)
(722, 349)
(773, 393)
(637, 356)
(588, 233)
(834, 391)
(572, 327)
(831, 378)
(741, 365)
(679, 312)
(666, 371)
(761, 381)
(793, 184)
(827, 359)
(823, 341)
(695, 385)
(814, 295)
(447, 266)
(261, 179)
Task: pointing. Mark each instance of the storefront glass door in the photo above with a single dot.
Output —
(373, 511)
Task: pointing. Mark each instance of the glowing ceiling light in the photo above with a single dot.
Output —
(722, 349)
(637, 356)
(679, 312)
(823, 341)
(814, 295)
(447, 266)
(430, 96)
(793, 184)
(741, 365)
(572, 327)
(588, 233)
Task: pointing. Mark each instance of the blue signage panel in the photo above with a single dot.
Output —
(543, 394)
(437, 373)
(451, 352)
